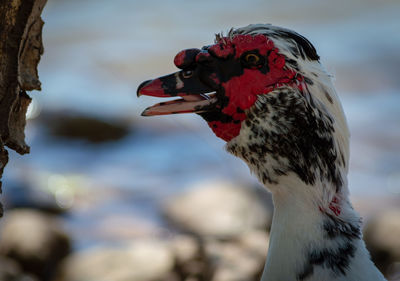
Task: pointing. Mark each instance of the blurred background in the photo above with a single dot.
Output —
(106, 194)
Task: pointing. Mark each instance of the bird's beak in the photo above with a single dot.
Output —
(193, 93)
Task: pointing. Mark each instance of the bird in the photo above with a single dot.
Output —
(263, 90)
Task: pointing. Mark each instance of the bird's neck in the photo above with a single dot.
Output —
(295, 147)
(314, 239)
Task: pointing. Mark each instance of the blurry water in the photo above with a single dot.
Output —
(97, 52)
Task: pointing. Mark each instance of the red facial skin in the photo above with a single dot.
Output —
(243, 90)
(185, 58)
(180, 58)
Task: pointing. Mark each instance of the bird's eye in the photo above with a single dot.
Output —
(251, 58)
(187, 73)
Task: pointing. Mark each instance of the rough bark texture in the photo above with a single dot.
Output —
(20, 50)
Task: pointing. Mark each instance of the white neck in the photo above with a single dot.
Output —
(301, 247)
(296, 143)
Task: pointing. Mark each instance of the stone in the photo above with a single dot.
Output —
(11, 271)
(393, 272)
(192, 263)
(382, 237)
(141, 260)
(185, 247)
(35, 240)
(219, 209)
(242, 259)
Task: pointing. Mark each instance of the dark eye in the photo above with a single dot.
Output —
(251, 58)
(187, 73)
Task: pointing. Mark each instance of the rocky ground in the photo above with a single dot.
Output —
(217, 234)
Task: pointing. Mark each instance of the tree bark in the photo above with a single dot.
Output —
(20, 50)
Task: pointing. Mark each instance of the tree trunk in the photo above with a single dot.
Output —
(20, 50)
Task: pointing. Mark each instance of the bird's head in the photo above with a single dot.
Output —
(261, 82)
(222, 81)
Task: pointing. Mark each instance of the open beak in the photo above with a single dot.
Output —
(195, 96)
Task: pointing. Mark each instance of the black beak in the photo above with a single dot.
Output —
(184, 84)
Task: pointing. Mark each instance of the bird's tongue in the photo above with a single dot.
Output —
(194, 97)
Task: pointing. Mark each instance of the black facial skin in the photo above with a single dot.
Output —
(191, 83)
(223, 69)
(189, 59)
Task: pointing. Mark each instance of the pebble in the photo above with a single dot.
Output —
(141, 260)
(220, 210)
(382, 237)
(35, 240)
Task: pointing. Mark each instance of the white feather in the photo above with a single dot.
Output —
(297, 219)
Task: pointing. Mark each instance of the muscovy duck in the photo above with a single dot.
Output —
(263, 90)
